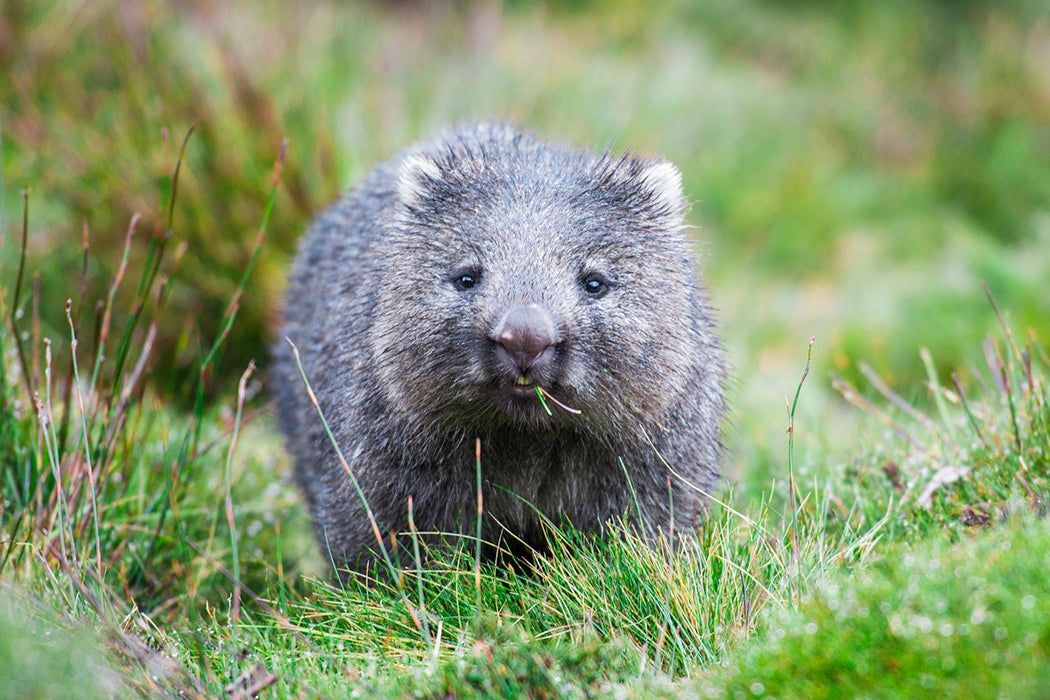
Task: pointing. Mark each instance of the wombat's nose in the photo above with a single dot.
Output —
(526, 333)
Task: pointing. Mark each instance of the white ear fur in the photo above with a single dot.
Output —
(665, 182)
(415, 171)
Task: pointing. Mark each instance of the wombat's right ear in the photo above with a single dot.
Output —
(664, 182)
(417, 171)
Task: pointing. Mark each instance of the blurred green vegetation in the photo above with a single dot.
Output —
(40, 657)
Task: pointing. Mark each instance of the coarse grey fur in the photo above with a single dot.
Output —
(409, 299)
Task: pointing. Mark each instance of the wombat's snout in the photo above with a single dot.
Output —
(524, 338)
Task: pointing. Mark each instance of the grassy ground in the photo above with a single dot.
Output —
(857, 172)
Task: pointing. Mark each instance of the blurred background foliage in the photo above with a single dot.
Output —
(857, 169)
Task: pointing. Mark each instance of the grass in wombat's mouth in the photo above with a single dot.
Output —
(543, 394)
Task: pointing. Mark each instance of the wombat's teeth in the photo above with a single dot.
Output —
(522, 380)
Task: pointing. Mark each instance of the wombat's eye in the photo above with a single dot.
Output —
(595, 285)
(465, 280)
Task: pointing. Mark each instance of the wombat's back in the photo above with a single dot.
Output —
(436, 302)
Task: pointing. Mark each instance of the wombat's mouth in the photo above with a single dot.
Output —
(523, 386)
(525, 398)
(518, 394)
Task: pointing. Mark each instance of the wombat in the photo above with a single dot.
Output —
(458, 283)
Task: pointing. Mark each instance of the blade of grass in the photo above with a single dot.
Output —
(235, 612)
(850, 394)
(391, 569)
(151, 266)
(62, 517)
(896, 399)
(26, 376)
(93, 490)
(67, 402)
(966, 409)
(480, 510)
(107, 306)
(423, 614)
(395, 577)
(938, 392)
(793, 504)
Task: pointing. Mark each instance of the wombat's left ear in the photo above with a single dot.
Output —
(664, 183)
(416, 174)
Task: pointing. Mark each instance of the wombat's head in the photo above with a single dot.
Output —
(512, 264)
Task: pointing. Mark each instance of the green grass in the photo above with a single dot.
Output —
(858, 172)
(966, 618)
